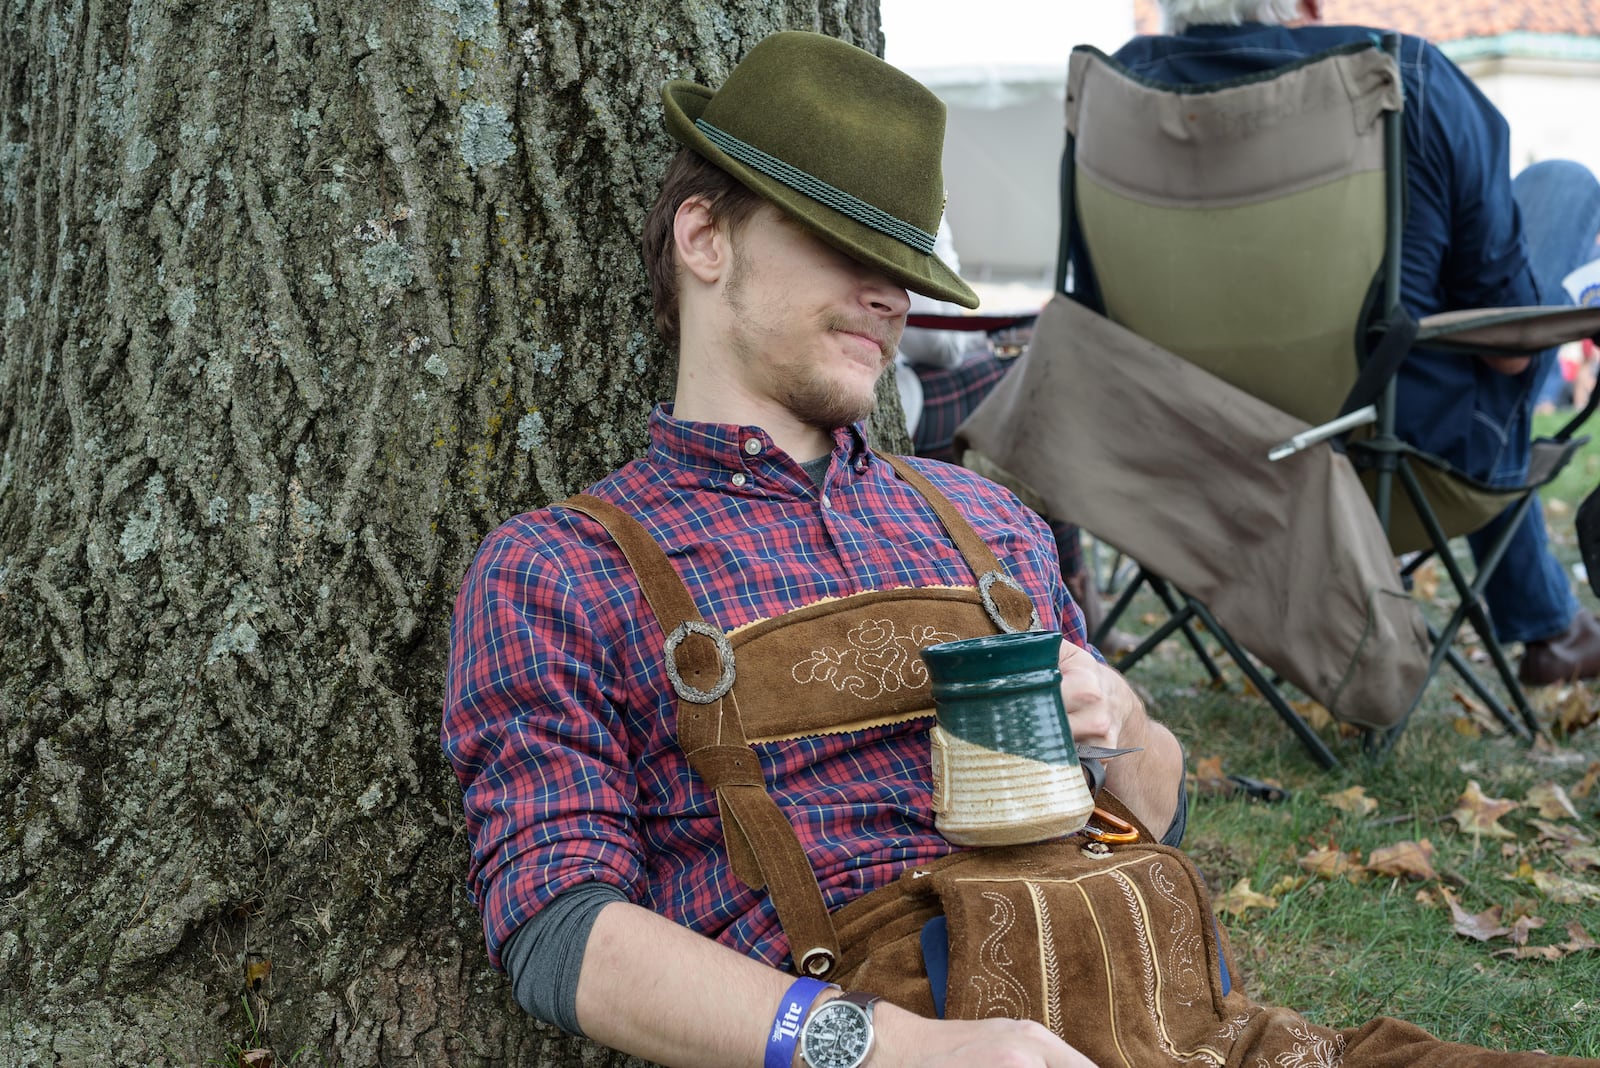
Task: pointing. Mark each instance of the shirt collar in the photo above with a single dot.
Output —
(721, 446)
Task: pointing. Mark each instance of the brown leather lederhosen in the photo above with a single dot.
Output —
(1112, 947)
(838, 665)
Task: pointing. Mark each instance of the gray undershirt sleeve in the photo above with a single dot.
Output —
(544, 956)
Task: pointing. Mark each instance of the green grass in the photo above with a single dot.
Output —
(1344, 951)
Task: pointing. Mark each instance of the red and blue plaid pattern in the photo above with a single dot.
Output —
(949, 395)
(559, 718)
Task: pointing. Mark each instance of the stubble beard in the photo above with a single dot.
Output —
(803, 387)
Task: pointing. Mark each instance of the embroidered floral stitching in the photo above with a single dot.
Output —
(1051, 963)
(997, 990)
(1187, 975)
(1147, 961)
(1314, 1050)
(876, 660)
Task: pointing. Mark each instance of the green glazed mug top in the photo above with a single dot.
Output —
(1003, 692)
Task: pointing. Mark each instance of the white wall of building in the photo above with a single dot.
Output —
(1550, 104)
(1000, 66)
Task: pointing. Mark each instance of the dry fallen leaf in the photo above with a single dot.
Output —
(1353, 800)
(1532, 953)
(1562, 833)
(1578, 942)
(1565, 890)
(1316, 716)
(1521, 927)
(256, 971)
(1483, 926)
(1409, 860)
(1580, 858)
(1425, 582)
(1574, 710)
(1287, 884)
(1478, 814)
(1241, 898)
(1552, 802)
(1586, 787)
(1580, 938)
(1208, 777)
(1478, 720)
(1330, 863)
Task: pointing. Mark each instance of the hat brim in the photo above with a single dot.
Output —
(920, 272)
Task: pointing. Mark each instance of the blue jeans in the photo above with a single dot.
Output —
(1529, 595)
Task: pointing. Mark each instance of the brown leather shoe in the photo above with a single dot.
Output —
(1572, 654)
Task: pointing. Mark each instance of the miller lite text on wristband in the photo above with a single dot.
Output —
(791, 1014)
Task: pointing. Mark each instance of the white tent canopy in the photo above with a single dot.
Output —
(1001, 69)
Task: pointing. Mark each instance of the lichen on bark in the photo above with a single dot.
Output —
(308, 297)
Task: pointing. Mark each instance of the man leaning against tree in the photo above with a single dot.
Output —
(686, 708)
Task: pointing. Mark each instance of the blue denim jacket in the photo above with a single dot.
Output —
(1463, 240)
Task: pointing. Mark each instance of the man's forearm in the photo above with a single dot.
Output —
(662, 992)
(1149, 781)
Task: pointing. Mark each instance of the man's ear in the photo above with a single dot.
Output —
(702, 245)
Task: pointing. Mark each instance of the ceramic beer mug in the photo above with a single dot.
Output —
(1005, 770)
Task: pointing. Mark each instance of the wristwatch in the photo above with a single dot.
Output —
(838, 1033)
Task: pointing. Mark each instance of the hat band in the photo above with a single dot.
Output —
(818, 190)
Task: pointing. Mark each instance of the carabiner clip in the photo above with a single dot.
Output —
(1121, 832)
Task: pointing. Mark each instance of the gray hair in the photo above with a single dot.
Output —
(1181, 14)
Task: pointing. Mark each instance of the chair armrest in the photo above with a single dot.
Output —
(1507, 331)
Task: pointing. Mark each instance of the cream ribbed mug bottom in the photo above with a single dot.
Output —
(985, 798)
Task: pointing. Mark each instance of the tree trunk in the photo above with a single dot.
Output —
(300, 300)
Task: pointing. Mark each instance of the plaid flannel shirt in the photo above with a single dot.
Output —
(559, 718)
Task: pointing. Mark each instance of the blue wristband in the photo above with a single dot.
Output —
(791, 1014)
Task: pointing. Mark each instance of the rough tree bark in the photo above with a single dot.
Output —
(300, 298)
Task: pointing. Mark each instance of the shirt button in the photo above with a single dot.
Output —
(739, 479)
(825, 502)
(752, 446)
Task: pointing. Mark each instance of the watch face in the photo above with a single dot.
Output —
(836, 1036)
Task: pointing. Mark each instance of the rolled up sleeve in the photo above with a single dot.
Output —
(537, 744)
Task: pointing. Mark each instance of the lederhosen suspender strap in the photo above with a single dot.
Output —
(763, 849)
(1001, 594)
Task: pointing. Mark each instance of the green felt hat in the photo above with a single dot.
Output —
(840, 141)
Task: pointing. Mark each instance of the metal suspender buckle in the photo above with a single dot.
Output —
(724, 655)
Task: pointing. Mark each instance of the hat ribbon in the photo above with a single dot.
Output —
(815, 188)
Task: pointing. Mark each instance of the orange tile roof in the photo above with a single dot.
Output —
(1444, 20)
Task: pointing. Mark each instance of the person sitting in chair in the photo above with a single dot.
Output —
(1473, 238)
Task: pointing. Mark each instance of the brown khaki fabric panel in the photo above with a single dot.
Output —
(1312, 125)
(1302, 265)
(1169, 464)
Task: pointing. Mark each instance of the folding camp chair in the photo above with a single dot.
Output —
(1242, 241)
